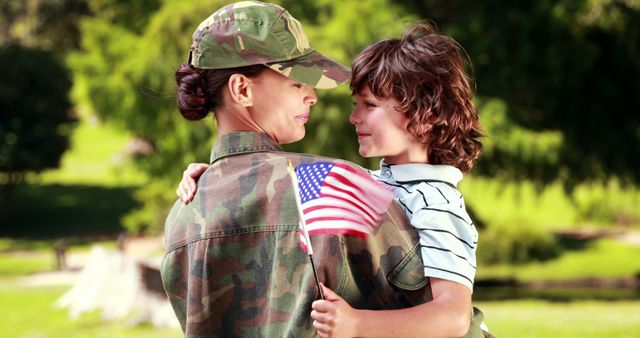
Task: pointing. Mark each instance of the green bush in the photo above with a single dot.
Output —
(149, 219)
(606, 204)
(516, 242)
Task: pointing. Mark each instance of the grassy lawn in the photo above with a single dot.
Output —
(23, 307)
(599, 258)
(96, 157)
(515, 319)
(534, 318)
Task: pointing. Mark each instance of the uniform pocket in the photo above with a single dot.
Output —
(409, 274)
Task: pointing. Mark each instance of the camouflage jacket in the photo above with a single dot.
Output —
(234, 266)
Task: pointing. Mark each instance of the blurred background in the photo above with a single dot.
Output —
(92, 148)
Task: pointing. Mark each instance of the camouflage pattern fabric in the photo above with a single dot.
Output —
(250, 32)
(234, 266)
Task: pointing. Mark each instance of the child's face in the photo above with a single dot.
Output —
(382, 130)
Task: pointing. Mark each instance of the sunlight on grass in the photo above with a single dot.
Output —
(601, 258)
(24, 306)
(21, 263)
(578, 319)
(96, 157)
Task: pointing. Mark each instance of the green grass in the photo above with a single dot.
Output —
(600, 258)
(23, 306)
(31, 313)
(534, 318)
(22, 263)
(96, 157)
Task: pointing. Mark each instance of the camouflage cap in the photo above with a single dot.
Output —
(251, 32)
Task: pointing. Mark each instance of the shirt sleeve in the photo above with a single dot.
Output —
(448, 241)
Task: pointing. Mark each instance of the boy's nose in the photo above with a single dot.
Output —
(353, 117)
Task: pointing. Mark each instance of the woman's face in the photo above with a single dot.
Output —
(382, 130)
(281, 106)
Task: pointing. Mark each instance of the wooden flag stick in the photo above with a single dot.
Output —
(303, 227)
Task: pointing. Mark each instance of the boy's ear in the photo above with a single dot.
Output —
(240, 90)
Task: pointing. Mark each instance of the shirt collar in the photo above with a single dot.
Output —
(242, 142)
(403, 173)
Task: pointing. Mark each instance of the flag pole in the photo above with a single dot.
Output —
(303, 227)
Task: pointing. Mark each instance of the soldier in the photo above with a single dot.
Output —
(233, 266)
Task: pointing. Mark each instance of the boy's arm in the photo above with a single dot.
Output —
(447, 315)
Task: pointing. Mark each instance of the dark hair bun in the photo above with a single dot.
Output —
(192, 89)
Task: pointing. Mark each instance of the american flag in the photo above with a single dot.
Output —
(336, 198)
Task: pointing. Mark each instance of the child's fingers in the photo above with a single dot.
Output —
(323, 329)
(182, 194)
(322, 305)
(190, 177)
(323, 334)
(329, 294)
(194, 170)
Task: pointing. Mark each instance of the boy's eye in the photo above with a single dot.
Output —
(369, 104)
(298, 85)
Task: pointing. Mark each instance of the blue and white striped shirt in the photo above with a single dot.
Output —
(436, 209)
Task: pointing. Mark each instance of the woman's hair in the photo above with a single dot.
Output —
(425, 72)
(200, 90)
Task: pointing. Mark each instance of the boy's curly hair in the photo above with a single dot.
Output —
(425, 72)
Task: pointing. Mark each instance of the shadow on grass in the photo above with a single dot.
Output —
(54, 211)
(483, 293)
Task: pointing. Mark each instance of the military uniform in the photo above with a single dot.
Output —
(234, 266)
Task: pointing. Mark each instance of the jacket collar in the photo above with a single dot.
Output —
(242, 142)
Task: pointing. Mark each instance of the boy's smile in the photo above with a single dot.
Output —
(382, 130)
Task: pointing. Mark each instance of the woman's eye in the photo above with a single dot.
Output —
(298, 85)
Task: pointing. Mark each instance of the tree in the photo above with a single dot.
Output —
(565, 73)
(35, 113)
(45, 24)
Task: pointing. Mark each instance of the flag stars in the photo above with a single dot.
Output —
(311, 177)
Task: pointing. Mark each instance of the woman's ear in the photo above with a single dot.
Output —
(240, 87)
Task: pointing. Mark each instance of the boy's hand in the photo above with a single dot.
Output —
(187, 187)
(333, 316)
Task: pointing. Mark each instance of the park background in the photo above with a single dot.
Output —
(92, 147)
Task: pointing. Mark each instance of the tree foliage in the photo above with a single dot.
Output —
(35, 119)
(45, 24)
(34, 109)
(555, 81)
(564, 68)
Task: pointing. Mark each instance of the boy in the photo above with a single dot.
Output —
(413, 107)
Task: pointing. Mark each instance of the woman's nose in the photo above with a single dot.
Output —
(311, 98)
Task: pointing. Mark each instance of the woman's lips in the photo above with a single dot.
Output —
(304, 118)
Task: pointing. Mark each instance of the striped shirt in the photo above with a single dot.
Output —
(436, 209)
